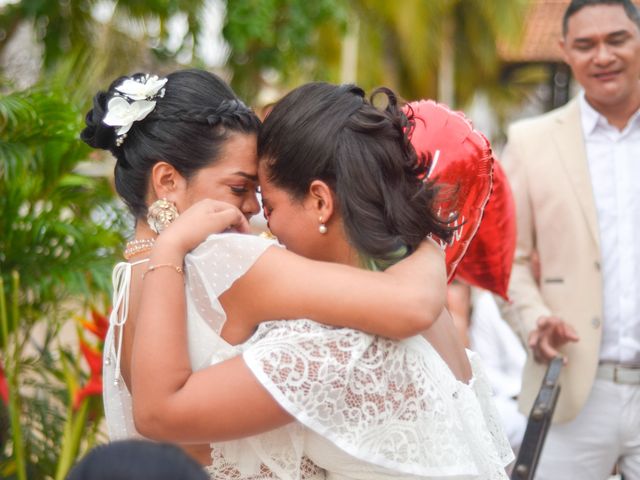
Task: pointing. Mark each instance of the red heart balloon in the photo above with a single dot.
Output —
(489, 258)
(462, 162)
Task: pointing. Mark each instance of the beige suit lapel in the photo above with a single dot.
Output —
(570, 140)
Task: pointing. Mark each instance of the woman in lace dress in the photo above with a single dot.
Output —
(188, 137)
(340, 184)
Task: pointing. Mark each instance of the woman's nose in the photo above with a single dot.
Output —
(251, 206)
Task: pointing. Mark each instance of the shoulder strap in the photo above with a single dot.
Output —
(121, 279)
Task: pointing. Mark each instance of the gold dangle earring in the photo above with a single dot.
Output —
(160, 214)
(322, 228)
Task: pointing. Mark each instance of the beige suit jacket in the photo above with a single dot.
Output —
(545, 161)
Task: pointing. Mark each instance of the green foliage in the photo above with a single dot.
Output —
(294, 38)
(479, 29)
(283, 43)
(58, 228)
(399, 45)
(48, 428)
(59, 234)
(65, 25)
(402, 46)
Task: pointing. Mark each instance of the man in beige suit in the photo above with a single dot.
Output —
(575, 174)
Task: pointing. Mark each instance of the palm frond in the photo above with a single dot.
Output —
(55, 230)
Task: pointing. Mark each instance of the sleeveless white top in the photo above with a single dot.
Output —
(366, 407)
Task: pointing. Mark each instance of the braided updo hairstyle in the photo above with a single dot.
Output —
(334, 134)
(187, 129)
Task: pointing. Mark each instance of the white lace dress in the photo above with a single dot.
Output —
(366, 407)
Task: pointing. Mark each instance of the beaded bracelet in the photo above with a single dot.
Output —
(151, 268)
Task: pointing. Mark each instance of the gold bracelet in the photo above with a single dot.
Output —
(151, 268)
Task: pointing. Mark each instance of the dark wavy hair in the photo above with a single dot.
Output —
(187, 129)
(334, 134)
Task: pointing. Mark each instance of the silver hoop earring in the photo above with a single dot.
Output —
(160, 214)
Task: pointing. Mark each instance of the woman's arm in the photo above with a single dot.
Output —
(401, 302)
(170, 402)
(398, 303)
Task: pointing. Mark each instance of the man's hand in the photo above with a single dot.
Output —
(551, 334)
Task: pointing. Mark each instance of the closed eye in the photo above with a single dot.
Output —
(239, 190)
(583, 46)
(616, 38)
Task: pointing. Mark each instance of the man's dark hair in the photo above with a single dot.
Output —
(630, 9)
(137, 459)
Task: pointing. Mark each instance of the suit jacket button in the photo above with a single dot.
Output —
(595, 322)
(597, 265)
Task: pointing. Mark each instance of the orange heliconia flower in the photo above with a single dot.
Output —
(98, 325)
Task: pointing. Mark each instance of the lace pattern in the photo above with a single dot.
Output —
(393, 404)
(273, 455)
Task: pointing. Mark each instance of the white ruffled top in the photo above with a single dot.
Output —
(366, 407)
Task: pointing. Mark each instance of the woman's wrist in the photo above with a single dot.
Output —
(168, 250)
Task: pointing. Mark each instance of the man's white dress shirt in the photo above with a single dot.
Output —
(614, 165)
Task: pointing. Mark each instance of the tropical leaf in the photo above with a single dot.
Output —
(49, 230)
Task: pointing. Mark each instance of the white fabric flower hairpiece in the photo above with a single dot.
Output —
(133, 101)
